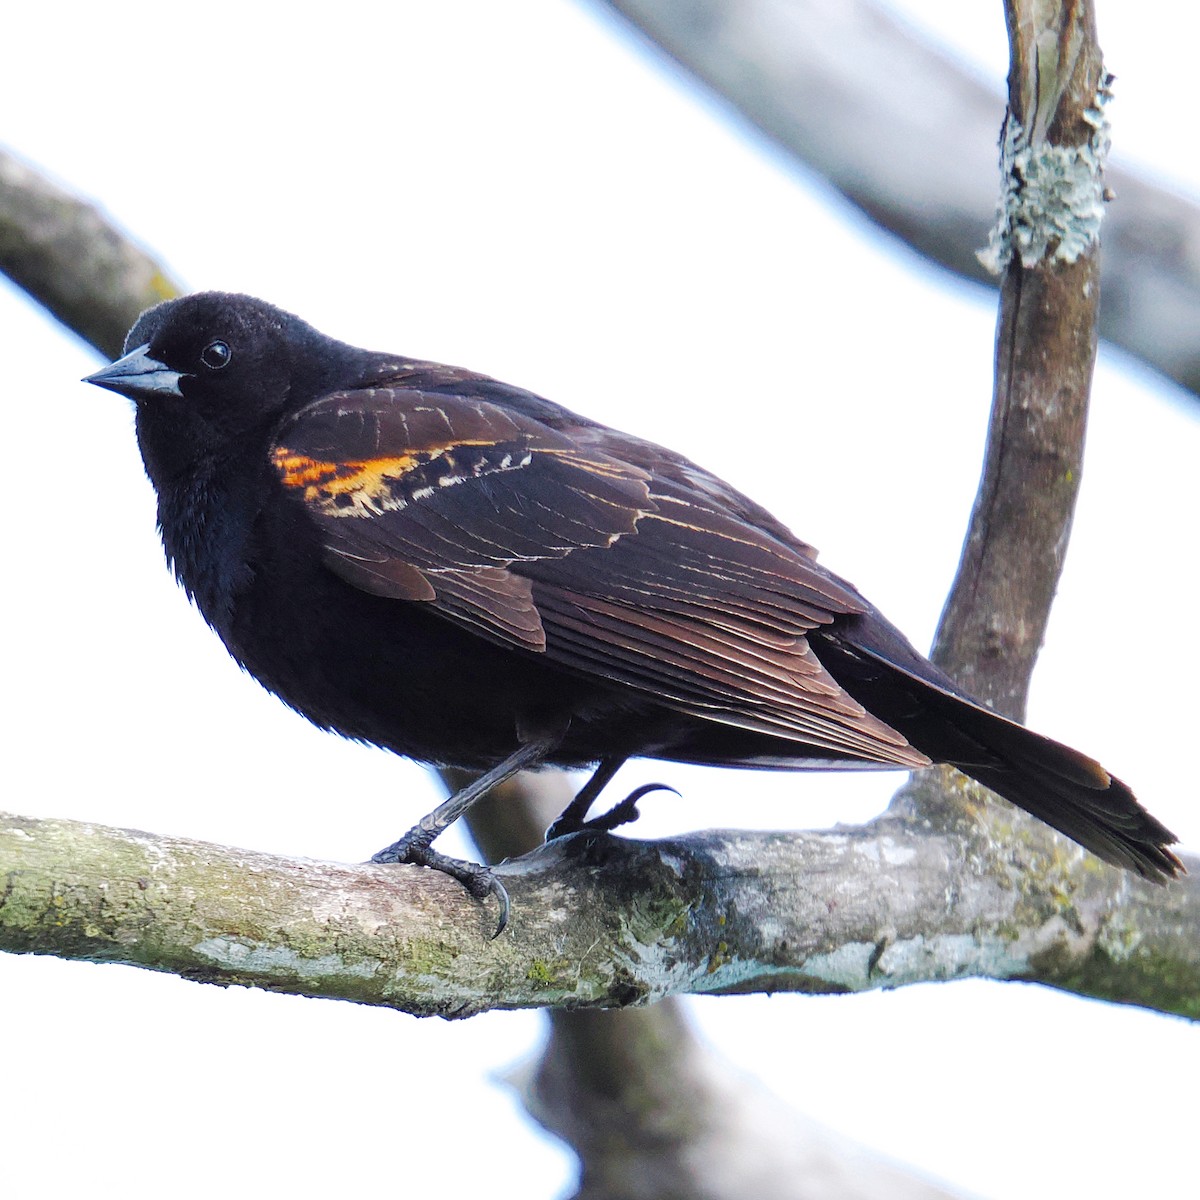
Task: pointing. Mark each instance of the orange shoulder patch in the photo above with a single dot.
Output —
(335, 483)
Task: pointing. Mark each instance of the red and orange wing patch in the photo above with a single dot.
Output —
(371, 486)
(382, 473)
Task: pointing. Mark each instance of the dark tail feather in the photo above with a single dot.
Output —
(1069, 791)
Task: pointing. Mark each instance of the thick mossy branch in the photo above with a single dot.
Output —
(603, 921)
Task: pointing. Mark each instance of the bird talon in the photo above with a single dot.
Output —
(498, 890)
(480, 882)
(408, 849)
(621, 813)
(627, 810)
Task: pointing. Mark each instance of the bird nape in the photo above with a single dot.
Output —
(421, 557)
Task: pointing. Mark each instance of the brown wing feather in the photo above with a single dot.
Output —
(381, 472)
(588, 546)
(718, 674)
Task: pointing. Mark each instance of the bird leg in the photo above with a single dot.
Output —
(415, 846)
(573, 818)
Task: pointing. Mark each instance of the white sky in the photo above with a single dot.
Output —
(521, 189)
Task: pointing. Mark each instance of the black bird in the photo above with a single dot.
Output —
(424, 558)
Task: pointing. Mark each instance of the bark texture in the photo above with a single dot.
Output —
(996, 614)
(600, 921)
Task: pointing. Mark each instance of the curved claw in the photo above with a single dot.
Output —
(627, 809)
(620, 814)
(498, 890)
(480, 881)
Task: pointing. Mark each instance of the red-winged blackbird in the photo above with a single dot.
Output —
(424, 558)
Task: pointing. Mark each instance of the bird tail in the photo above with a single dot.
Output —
(1060, 786)
(1068, 790)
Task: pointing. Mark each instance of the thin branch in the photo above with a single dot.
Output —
(1047, 245)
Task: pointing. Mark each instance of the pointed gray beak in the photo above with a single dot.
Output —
(137, 376)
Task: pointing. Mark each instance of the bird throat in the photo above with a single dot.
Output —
(206, 520)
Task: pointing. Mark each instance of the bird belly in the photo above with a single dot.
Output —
(397, 674)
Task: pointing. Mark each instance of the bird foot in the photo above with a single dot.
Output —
(620, 814)
(479, 880)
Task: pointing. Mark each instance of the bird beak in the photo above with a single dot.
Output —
(137, 376)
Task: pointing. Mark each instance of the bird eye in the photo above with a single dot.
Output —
(216, 355)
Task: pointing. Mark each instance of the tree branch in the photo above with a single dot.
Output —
(656, 1114)
(72, 260)
(908, 136)
(1046, 244)
(603, 921)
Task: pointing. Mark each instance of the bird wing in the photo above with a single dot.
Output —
(610, 555)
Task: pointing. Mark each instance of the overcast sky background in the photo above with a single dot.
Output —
(524, 189)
